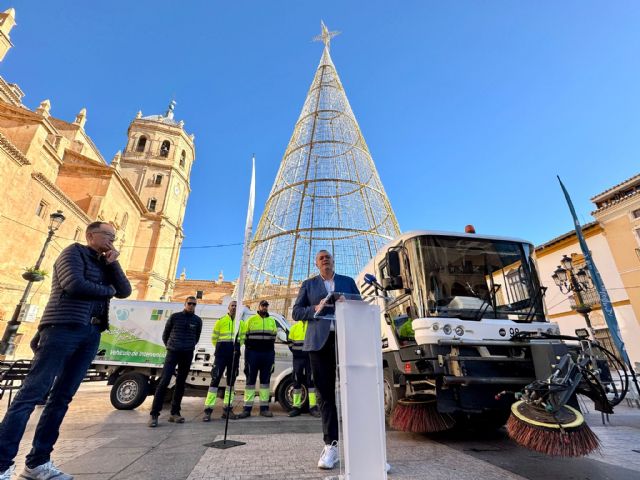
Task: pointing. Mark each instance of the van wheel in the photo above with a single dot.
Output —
(285, 395)
(129, 391)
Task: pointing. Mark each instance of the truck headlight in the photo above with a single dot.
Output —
(447, 329)
(459, 331)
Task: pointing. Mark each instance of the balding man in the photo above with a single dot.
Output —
(320, 342)
(85, 278)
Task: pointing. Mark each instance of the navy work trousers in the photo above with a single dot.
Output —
(259, 363)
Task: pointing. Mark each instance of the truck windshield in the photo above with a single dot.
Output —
(472, 278)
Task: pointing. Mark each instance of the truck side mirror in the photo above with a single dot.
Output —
(393, 263)
(394, 280)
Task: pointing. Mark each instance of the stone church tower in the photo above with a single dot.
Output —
(7, 22)
(157, 162)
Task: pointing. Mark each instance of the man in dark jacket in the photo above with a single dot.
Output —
(181, 334)
(85, 277)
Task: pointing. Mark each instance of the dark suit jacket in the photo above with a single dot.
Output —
(311, 293)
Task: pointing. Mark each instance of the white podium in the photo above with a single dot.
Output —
(361, 390)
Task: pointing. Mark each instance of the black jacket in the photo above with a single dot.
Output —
(182, 331)
(81, 287)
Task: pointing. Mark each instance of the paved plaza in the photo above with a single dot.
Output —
(100, 443)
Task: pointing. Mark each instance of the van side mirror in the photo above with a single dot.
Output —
(281, 336)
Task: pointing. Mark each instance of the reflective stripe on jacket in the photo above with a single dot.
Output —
(296, 337)
(222, 336)
(259, 333)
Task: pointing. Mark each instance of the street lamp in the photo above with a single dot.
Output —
(569, 280)
(7, 346)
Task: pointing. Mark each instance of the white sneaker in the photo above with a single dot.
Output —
(330, 456)
(8, 473)
(46, 471)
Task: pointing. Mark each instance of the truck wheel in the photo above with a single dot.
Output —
(391, 395)
(129, 391)
(285, 395)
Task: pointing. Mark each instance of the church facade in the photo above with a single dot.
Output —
(49, 164)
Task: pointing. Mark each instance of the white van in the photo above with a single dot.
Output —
(131, 352)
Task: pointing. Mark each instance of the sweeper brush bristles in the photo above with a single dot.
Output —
(419, 416)
(563, 434)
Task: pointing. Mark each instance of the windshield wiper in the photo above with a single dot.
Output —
(539, 294)
(491, 294)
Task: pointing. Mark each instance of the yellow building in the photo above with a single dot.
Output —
(618, 212)
(49, 164)
(614, 241)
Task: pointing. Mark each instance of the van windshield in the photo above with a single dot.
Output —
(472, 278)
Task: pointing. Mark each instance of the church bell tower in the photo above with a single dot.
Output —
(157, 161)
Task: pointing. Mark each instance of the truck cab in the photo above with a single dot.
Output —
(453, 308)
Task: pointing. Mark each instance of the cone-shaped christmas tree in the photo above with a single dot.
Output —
(327, 195)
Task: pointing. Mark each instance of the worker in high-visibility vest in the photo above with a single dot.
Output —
(301, 371)
(258, 334)
(224, 343)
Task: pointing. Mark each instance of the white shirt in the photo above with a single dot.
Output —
(330, 285)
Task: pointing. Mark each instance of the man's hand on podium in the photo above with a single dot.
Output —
(320, 306)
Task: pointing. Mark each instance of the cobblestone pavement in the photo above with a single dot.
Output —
(98, 442)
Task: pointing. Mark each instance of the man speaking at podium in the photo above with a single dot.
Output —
(320, 342)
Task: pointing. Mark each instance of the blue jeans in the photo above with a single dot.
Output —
(65, 352)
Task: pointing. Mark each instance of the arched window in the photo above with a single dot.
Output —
(183, 158)
(142, 142)
(152, 204)
(164, 149)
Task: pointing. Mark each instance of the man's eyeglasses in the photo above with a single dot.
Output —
(109, 235)
(192, 303)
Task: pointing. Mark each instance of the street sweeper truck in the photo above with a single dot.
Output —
(466, 342)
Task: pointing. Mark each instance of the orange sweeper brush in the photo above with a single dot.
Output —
(561, 434)
(419, 415)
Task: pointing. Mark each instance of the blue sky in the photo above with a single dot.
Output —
(470, 109)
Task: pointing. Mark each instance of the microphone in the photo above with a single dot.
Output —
(370, 279)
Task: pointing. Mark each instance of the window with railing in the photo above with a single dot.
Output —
(604, 337)
(589, 296)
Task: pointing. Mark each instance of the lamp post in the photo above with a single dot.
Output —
(569, 280)
(7, 346)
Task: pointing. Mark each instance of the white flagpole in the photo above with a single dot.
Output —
(245, 249)
(240, 308)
